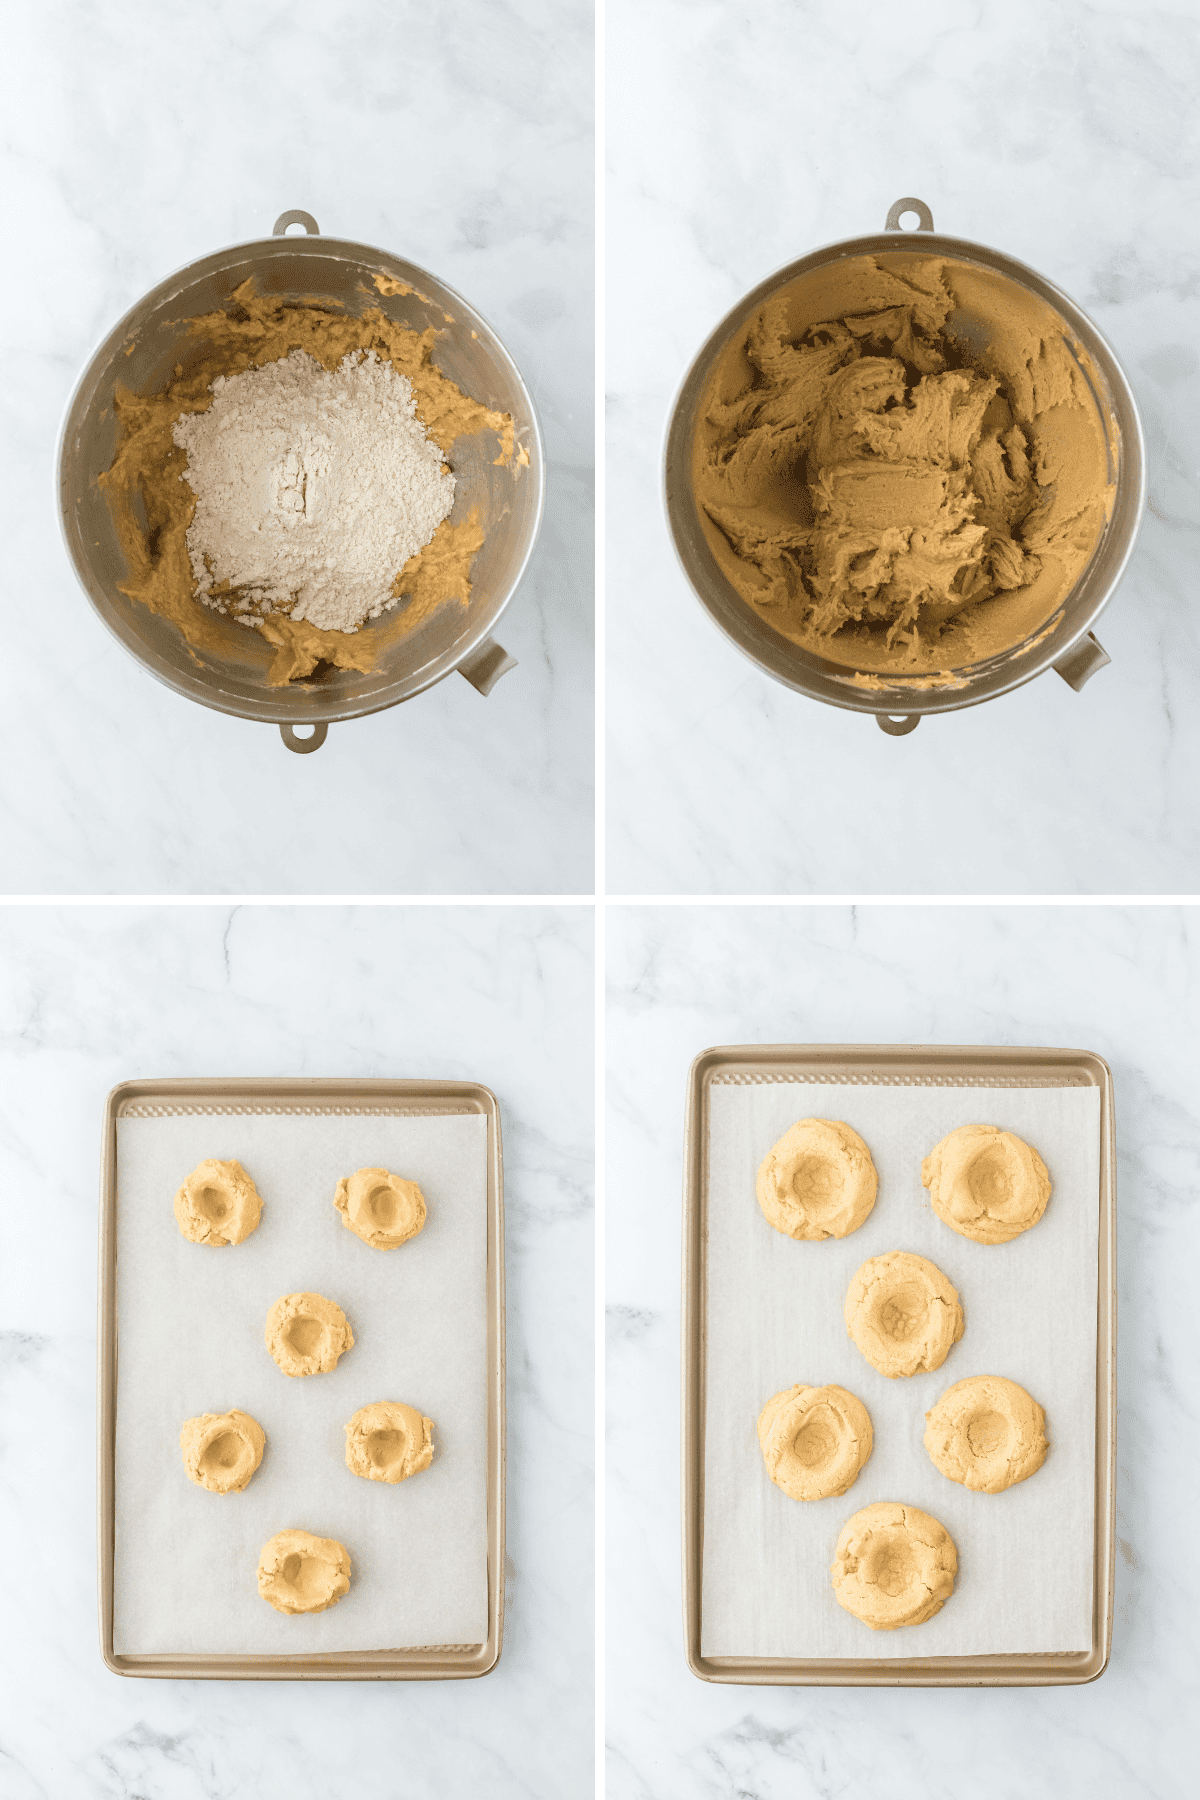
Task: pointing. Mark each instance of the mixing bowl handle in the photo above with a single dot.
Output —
(485, 664)
(897, 727)
(1082, 660)
(302, 746)
(279, 228)
(891, 223)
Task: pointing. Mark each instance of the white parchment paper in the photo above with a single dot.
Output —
(190, 1322)
(774, 1318)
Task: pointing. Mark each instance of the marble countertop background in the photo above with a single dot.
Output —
(142, 136)
(89, 996)
(1120, 981)
(738, 140)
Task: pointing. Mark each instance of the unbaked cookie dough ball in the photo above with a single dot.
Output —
(300, 1573)
(986, 1183)
(814, 1440)
(306, 1333)
(903, 1314)
(894, 1565)
(818, 1181)
(221, 1451)
(384, 1210)
(218, 1203)
(986, 1432)
(388, 1441)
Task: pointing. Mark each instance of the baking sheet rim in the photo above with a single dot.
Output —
(967, 1065)
(429, 1662)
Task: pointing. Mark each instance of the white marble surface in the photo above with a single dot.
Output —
(738, 140)
(1120, 981)
(142, 136)
(89, 996)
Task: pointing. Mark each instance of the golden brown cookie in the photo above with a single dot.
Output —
(986, 1183)
(814, 1440)
(388, 1441)
(217, 1204)
(903, 1314)
(818, 1181)
(986, 1432)
(894, 1565)
(300, 1573)
(306, 1333)
(382, 1208)
(221, 1451)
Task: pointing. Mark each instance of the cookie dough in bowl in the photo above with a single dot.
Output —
(388, 1441)
(221, 1451)
(987, 1433)
(986, 1183)
(818, 1181)
(300, 1573)
(903, 1314)
(894, 1565)
(382, 1208)
(814, 1440)
(218, 1204)
(306, 1333)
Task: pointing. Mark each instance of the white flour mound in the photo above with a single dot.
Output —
(312, 489)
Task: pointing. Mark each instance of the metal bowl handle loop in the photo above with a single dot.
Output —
(279, 228)
(302, 746)
(891, 223)
(898, 727)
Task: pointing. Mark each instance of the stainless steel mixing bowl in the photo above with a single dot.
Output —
(141, 351)
(1069, 646)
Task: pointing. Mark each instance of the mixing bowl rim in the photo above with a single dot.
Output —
(901, 696)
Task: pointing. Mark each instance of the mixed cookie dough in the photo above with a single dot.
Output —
(899, 464)
(986, 1183)
(383, 1209)
(218, 1204)
(153, 506)
(903, 1314)
(814, 1440)
(388, 1442)
(987, 1433)
(221, 1451)
(306, 1333)
(300, 1573)
(894, 1565)
(818, 1181)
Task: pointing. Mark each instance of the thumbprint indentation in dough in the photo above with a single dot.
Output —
(904, 1310)
(304, 1335)
(817, 1443)
(986, 1433)
(890, 1569)
(990, 1178)
(381, 1205)
(817, 1181)
(213, 1204)
(222, 1454)
(387, 1448)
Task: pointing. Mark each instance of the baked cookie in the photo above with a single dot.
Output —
(221, 1451)
(384, 1210)
(814, 1440)
(306, 1333)
(388, 1441)
(300, 1573)
(894, 1565)
(986, 1183)
(818, 1181)
(986, 1432)
(217, 1204)
(903, 1314)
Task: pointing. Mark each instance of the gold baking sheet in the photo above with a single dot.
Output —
(968, 1066)
(436, 1662)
